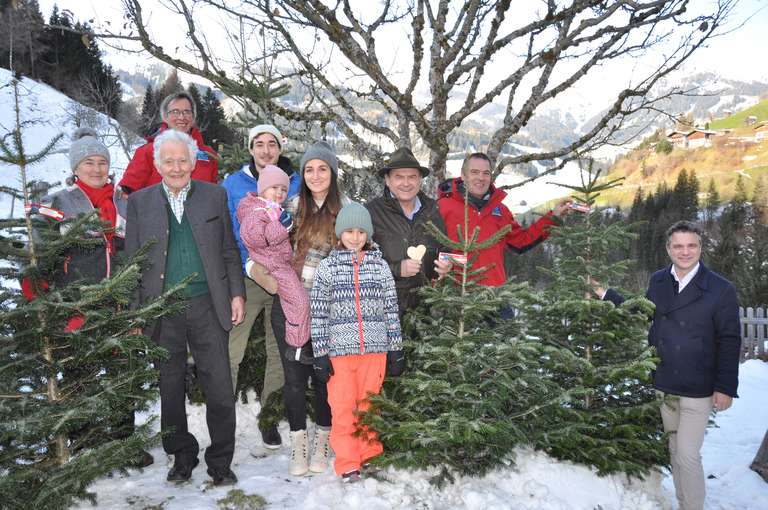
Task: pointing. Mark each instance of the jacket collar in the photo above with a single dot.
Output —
(668, 301)
(455, 188)
(391, 202)
(195, 133)
(283, 164)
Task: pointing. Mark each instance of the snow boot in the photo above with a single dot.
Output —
(299, 453)
(351, 476)
(321, 451)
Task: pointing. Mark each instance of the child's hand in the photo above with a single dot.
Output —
(273, 210)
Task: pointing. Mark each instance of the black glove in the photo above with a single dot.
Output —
(323, 368)
(395, 362)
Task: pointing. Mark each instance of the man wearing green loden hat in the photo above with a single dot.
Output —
(400, 218)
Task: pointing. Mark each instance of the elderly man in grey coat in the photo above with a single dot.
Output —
(189, 226)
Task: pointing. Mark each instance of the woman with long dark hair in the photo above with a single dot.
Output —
(314, 210)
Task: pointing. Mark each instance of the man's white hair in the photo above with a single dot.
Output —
(171, 135)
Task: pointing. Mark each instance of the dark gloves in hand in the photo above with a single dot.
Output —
(395, 362)
(323, 368)
(286, 220)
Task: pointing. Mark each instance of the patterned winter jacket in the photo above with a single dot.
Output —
(266, 240)
(353, 305)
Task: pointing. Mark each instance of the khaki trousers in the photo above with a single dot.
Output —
(685, 419)
(256, 300)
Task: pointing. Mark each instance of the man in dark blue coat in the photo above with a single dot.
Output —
(697, 336)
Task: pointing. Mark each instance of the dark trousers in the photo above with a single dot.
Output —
(296, 376)
(197, 326)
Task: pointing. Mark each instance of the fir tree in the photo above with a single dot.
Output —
(711, 204)
(684, 198)
(73, 65)
(472, 384)
(751, 272)
(66, 394)
(760, 199)
(149, 112)
(212, 121)
(724, 252)
(194, 92)
(22, 42)
(598, 353)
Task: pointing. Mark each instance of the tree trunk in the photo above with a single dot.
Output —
(760, 464)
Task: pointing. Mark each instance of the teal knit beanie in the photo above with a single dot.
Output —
(354, 215)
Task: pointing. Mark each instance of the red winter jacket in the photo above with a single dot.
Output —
(141, 172)
(491, 218)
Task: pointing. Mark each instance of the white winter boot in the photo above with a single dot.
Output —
(299, 453)
(321, 451)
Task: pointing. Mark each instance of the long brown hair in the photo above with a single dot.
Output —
(315, 227)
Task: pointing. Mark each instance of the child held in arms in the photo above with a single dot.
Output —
(264, 230)
(355, 335)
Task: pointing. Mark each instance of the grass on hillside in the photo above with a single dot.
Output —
(722, 162)
(738, 120)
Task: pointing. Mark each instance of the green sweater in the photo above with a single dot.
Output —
(183, 257)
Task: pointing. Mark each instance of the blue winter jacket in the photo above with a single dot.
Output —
(696, 334)
(241, 182)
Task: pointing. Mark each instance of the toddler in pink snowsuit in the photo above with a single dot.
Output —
(264, 227)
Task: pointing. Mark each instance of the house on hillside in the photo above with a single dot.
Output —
(700, 138)
(692, 138)
(678, 138)
(761, 131)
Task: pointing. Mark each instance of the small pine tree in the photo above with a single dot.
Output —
(472, 382)
(598, 353)
(66, 394)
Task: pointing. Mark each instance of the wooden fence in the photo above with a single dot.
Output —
(754, 332)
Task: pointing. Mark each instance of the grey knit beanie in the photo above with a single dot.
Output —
(320, 150)
(85, 142)
(354, 215)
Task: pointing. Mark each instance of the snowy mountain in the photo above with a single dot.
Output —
(47, 113)
(708, 97)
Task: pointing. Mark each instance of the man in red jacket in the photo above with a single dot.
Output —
(487, 211)
(178, 112)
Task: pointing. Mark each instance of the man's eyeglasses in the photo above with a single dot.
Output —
(179, 113)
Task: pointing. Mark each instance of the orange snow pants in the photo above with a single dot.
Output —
(354, 377)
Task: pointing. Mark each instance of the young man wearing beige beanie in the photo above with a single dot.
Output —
(265, 144)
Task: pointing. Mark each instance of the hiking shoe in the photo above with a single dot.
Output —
(182, 469)
(271, 438)
(223, 476)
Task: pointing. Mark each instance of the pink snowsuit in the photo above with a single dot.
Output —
(268, 245)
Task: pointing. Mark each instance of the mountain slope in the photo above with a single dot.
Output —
(48, 112)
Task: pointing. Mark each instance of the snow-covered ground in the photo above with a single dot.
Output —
(537, 482)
